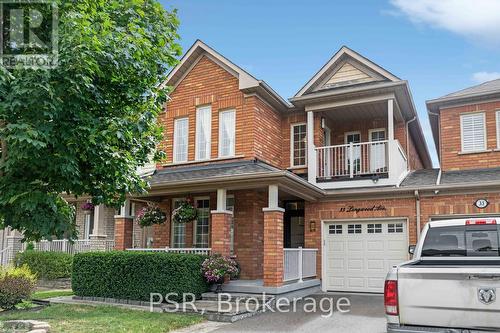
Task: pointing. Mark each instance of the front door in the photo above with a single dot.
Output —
(294, 224)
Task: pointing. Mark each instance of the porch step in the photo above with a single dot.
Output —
(236, 297)
(229, 311)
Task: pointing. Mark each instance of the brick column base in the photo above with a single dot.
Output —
(273, 247)
(220, 232)
(124, 227)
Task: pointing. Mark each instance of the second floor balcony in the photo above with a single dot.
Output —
(358, 146)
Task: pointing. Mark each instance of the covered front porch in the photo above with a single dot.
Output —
(260, 223)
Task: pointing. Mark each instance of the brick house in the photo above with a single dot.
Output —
(327, 189)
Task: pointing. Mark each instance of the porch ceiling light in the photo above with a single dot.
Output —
(375, 178)
(312, 226)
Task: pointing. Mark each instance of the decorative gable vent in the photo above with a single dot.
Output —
(348, 74)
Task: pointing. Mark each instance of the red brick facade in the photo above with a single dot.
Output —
(451, 141)
(124, 228)
(220, 231)
(273, 248)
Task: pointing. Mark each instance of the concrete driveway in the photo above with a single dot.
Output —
(366, 315)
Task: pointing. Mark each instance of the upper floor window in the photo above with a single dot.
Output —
(498, 129)
(298, 145)
(181, 140)
(473, 127)
(227, 129)
(203, 132)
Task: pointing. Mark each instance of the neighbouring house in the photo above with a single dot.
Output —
(326, 189)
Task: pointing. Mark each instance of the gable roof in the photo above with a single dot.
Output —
(475, 94)
(247, 82)
(346, 68)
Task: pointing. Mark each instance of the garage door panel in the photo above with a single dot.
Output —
(359, 261)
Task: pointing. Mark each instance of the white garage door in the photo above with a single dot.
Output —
(358, 255)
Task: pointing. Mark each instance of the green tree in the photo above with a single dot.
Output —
(85, 126)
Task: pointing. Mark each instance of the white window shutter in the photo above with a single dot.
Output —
(473, 132)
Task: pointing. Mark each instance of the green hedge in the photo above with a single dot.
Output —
(47, 265)
(135, 275)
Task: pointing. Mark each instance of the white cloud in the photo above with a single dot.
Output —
(481, 77)
(478, 20)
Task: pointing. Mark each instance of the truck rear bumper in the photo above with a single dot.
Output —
(394, 328)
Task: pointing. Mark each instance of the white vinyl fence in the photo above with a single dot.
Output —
(299, 264)
(192, 250)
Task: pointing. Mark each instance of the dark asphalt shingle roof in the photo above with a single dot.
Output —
(185, 173)
(428, 177)
(423, 177)
(483, 88)
(470, 176)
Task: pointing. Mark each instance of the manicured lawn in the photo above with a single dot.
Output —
(51, 293)
(83, 318)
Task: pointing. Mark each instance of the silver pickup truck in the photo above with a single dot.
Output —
(452, 283)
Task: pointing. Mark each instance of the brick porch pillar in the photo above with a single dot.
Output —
(273, 246)
(220, 232)
(124, 228)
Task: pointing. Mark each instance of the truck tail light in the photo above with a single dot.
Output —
(391, 297)
(481, 221)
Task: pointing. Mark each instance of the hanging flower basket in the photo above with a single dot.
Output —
(87, 208)
(151, 215)
(185, 213)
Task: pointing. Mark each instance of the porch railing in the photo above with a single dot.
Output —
(78, 246)
(353, 159)
(191, 250)
(299, 264)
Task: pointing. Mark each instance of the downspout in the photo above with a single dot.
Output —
(408, 140)
(439, 134)
(417, 209)
(438, 181)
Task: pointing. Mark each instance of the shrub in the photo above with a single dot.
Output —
(47, 265)
(135, 275)
(16, 285)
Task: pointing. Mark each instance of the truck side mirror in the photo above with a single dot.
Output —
(411, 249)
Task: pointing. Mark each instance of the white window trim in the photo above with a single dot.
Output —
(197, 135)
(292, 141)
(370, 131)
(195, 222)
(497, 114)
(485, 148)
(172, 224)
(174, 157)
(220, 133)
(351, 133)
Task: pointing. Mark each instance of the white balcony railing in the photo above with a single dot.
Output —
(193, 250)
(351, 160)
(78, 246)
(299, 264)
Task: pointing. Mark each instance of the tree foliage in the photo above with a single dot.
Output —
(85, 126)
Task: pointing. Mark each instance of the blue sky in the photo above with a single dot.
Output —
(438, 46)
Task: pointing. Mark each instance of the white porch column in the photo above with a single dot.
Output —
(99, 215)
(221, 199)
(273, 202)
(311, 152)
(390, 119)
